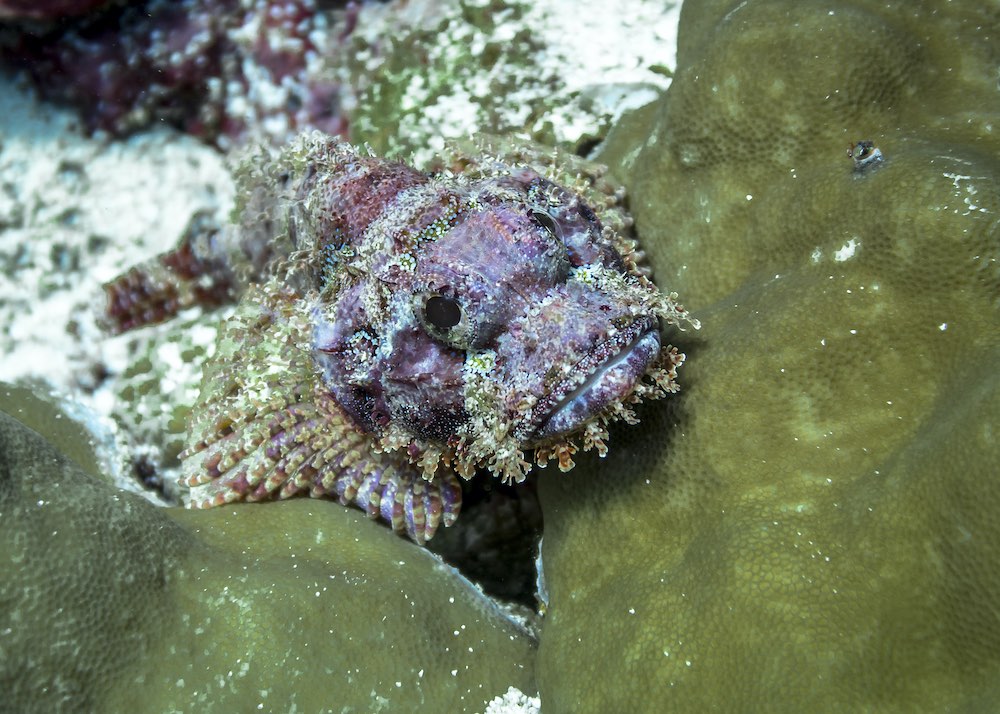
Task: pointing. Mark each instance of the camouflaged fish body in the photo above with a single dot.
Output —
(403, 328)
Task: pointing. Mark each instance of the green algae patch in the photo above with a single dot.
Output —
(108, 603)
(810, 523)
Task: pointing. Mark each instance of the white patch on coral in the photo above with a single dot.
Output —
(514, 701)
(616, 43)
(847, 251)
(969, 189)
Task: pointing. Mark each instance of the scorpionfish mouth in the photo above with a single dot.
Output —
(607, 374)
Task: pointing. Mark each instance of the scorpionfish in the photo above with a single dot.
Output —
(398, 329)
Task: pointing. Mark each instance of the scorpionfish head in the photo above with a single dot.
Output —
(475, 318)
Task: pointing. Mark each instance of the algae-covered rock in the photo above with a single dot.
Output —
(108, 603)
(154, 394)
(556, 72)
(811, 524)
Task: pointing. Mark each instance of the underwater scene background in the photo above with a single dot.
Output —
(810, 523)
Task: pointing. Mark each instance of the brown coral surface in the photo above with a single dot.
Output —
(812, 526)
(108, 603)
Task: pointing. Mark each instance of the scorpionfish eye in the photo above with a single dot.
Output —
(446, 320)
(442, 312)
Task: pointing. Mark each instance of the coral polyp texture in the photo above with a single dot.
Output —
(398, 330)
(813, 526)
(111, 604)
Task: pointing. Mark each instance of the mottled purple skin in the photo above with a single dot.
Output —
(496, 262)
(503, 248)
(403, 328)
(184, 62)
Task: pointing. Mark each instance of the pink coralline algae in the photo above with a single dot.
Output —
(217, 69)
(398, 330)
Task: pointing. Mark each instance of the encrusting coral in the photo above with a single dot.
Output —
(108, 603)
(812, 525)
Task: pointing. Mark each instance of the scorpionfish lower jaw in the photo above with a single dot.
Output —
(605, 376)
